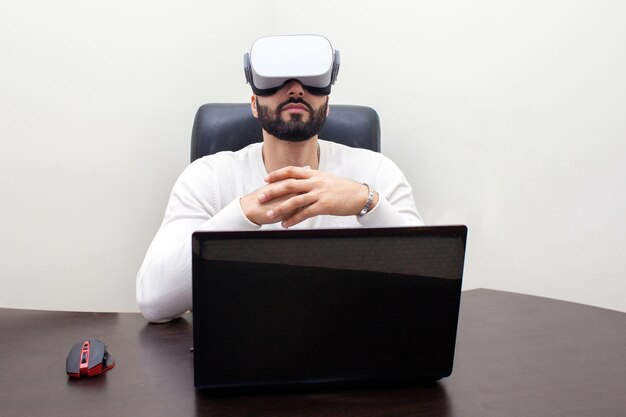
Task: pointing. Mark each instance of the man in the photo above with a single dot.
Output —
(291, 179)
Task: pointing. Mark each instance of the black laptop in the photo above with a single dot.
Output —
(301, 308)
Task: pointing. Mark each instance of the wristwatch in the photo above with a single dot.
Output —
(368, 203)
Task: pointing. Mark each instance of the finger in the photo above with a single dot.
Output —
(299, 216)
(282, 189)
(294, 204)
(288, 172)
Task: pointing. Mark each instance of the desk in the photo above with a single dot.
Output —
(516, 355)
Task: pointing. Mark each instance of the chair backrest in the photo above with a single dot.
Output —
(231, 126)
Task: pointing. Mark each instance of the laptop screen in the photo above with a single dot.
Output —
(325, 306)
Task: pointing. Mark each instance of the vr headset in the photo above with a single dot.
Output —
(274, 60)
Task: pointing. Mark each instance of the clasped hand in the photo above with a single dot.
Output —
(294, 194)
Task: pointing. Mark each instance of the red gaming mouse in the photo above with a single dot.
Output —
(88, 358)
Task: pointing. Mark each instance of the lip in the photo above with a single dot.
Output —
(295, 108)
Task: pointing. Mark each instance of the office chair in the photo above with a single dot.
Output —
(230, 127)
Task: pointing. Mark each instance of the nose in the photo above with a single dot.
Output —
(294, 88)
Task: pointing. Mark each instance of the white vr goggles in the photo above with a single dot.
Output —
(274, 60)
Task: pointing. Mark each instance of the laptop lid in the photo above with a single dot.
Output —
(302, 307)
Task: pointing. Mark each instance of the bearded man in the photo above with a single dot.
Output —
(292, 179)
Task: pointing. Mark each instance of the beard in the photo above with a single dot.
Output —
(295, 129)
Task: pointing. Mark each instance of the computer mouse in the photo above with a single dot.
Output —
(88, 358)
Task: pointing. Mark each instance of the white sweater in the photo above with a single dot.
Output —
(206, 197)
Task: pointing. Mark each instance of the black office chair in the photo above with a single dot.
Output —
(230, 127)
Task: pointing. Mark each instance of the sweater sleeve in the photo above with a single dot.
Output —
(163, 286)
(396, 206)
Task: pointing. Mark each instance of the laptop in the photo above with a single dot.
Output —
(303, 308)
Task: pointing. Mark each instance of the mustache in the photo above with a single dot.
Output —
(293, 100)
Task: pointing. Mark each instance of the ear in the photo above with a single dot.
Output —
(255, 112)
(327, 106)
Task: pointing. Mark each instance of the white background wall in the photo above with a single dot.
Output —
(505, 116)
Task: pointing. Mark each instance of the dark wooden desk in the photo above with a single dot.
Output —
(516, 355)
